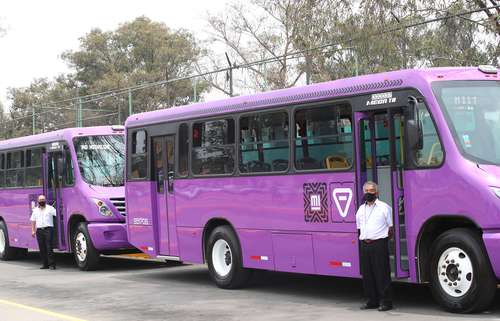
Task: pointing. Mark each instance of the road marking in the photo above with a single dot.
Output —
(41, 311)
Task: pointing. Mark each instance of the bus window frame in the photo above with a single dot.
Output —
(232, 116)
(2, 169)
(176, 151)
(26, 167)
(128, 151)
(23, 167)
(295, 109)
(238, 141)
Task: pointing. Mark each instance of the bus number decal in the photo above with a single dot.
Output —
(315, 203)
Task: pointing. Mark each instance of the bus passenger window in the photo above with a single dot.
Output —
(323, 138)
(213, 147)
(15, 169)
(2, 170)
(183, 150)
(264, 143)
(69, 178)
(34, 167)
(139, 159)
(431, 153)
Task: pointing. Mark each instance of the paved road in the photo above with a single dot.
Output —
(140, 290)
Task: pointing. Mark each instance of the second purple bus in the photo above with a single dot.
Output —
(272, 181)
(81, 171)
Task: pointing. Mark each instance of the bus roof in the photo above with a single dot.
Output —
(57, 135)
(316, 92)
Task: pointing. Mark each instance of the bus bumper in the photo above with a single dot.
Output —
(109, 236)
(492, 244)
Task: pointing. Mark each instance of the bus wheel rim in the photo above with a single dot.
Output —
(222, 257)
(2, 241)
(455, 272)
(81, 247)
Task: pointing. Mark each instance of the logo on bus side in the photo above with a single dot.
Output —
(315, 203)
(342, 198)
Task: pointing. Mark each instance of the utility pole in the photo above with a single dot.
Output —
(130, 102)
(195, 90)
(33, 120)
(80, 112)
(229, 75)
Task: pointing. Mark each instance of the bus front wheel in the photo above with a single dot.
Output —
(86, 255)
(225, 262)
(461, 275)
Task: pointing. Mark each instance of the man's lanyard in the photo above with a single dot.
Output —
(368, 216)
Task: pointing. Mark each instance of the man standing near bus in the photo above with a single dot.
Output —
(42, 225)
(374, 224)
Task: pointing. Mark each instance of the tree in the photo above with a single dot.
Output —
(138, 52)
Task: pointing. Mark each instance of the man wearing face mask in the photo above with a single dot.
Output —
(42, 225)
(374, 224)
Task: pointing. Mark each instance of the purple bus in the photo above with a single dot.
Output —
(272, 181)
(81, 171)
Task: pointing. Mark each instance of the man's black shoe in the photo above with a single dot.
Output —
(385, 307)
(44, 267)
(52, 267)
(368, 306)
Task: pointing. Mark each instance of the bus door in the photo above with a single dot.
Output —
(163, 148)
(381, 148)
(53, 165)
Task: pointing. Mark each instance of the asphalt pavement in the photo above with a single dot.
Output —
(126, 289)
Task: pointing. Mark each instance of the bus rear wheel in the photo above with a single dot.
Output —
(461, 276)
(6, 251)
(225, 262)
(86, 255)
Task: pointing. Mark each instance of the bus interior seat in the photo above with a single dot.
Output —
(336, 162)
(308, 163)
(280, 165)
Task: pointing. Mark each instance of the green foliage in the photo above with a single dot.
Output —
(138, 52)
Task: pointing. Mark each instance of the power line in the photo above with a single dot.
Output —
(120, 91)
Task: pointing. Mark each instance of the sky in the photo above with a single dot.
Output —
(39, 31)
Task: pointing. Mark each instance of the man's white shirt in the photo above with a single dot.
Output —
(374, 221)
(43, 217)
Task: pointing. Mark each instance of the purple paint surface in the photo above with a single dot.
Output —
(268, 212)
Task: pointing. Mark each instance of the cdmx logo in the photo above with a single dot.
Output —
(315, 202)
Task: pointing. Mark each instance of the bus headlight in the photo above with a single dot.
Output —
(495, 190)
(103, 208)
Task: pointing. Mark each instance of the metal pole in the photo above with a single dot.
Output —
(129, 102)
(195, 89)
(33, 120)
(356, 67)
(119, 115)
(80, 113)
(230, 75)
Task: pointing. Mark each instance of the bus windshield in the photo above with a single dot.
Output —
(472, 109)
(101, 159)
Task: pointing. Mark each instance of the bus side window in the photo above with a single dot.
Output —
(323, 138)
(264, 143)
(34, 167)
(431, 153)
(15, 169)
(139, 158)
(69, 178)
(183, 150)
(213, 147)
(2, 170)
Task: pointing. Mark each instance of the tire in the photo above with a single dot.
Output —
(7, 252)
(225, 263)
(86, 255)
(461, 277)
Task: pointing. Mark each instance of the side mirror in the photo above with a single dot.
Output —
(60, 169)
(414, 125)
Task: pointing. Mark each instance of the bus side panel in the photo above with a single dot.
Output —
(257, 249)
(190, 244)
(281, 204)
(336, 254)
(15, 208)
(141, 222)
